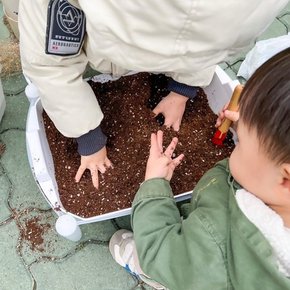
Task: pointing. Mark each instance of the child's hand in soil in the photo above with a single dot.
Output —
(224, 113)
(161, 164)
(95, 163)
(172, 108)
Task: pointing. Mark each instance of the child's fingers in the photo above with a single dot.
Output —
(176, 161)
(218, 122)
(157, 110)
(220, 118)
(152, 141)
(232, 115)
(80, 173)
(171, 147)
(173, 164)
(167, 123)
(108, 163)
(176, 125)
(156, 149)
(221, 115)
(95, 178)
(160, 141)
(153, 145)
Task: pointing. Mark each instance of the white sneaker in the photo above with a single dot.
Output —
(121, 247)
(123, 250)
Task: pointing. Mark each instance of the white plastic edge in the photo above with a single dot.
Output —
(2, 100)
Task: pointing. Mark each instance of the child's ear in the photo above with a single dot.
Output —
(285, 170)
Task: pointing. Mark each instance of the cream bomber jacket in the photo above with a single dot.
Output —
(184, 39)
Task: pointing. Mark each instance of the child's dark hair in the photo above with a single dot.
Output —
(265, 106)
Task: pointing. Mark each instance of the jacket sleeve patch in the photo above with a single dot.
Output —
(65, 28)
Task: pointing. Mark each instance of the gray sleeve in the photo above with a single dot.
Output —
(91, 142)
(182, 89)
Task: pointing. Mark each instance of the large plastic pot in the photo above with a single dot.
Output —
(218, 92)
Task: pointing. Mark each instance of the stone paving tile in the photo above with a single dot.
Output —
(88, 268)
(286, 10)
(123, 223)
(232, 74)
(100, 231)
(44, 241)
(5, 187)
(235, 66)
(25, 192)
(48, 243)
(13, 273)
(15, 113)
(280, 26)
(285, 19)
(14, 84)
(223, 65)
(238, 57)
(275, 29)
(4, 33)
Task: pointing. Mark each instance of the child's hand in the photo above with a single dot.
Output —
(172, 108)
(231, 115)
(97, 162)
(161, 164)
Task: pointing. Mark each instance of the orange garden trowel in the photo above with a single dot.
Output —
(222, 130)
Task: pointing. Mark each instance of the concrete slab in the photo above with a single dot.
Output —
(5, 189)
(88, 267)
(276, 29)
(4, 32)
(14, 84)
(13, 273)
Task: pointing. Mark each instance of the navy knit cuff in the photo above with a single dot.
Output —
(91, 142)
(182, 89)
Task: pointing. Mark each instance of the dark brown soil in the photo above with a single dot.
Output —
(128, 123)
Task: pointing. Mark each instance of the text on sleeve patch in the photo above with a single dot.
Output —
(65, 28)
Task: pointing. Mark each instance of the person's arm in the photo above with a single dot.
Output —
(176, 253)
(66, 97)
(182, 89)
(200, 78)
(91, 142)
(172, 251)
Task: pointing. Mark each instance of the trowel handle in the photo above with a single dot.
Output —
(233, 106)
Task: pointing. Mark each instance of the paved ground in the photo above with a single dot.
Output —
(52, 262)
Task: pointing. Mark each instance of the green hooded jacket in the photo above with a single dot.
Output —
(211, 245)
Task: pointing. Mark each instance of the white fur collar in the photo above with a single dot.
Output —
(270, 224)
